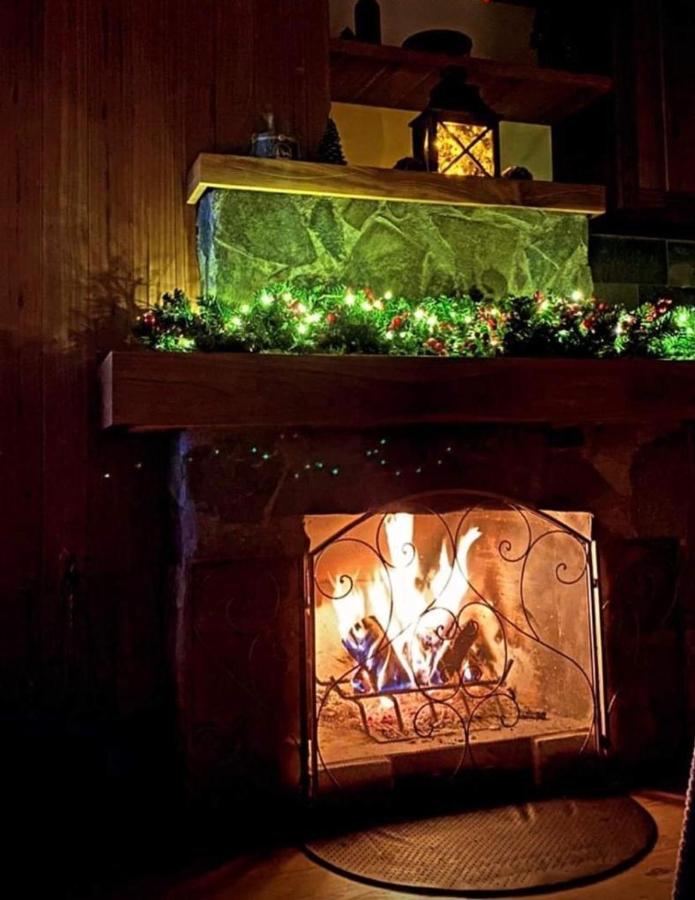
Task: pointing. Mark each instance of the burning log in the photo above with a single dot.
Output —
(380, 668)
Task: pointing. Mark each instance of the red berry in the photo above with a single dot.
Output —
(396, 323)
(539, 296)
(331, 318)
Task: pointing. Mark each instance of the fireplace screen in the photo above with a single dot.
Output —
(437, 641)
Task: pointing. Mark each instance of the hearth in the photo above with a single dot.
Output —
(438, 641)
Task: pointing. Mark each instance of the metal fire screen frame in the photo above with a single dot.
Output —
(469, 686)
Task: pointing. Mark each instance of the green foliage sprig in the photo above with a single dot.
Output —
(320, 318)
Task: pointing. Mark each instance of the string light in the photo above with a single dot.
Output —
(333, 318)
(319, 466)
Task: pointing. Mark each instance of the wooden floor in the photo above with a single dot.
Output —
(288, 875)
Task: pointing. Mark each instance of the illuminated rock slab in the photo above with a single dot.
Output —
(248, 239)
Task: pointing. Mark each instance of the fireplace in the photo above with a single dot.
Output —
(270, 683)
(442, 641)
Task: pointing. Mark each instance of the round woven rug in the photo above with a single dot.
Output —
(509, 849)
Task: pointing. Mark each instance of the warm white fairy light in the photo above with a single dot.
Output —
(301, 309)
(378, 304)
(236, 321)
(349, 299)
(302, 328)
(683, 319)
(313, 318)
(388, 295)
(245, 308)
(267, 299)
(420, 314)
(366, 305)
(287, 296)
(577, 296)
(433, 321)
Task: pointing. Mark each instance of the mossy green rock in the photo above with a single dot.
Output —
(247, 239)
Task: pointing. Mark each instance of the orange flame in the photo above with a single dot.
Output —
(417, 611)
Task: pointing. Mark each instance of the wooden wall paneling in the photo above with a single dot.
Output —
(640, 150)
(105, 103)
(121, 615)
(679, 77)
(95, 619)
(20, 344)
(199, 104)
(66, 264)
(314, 47)
(149, 143)
(238, 68)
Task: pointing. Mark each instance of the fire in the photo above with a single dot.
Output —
(400, 622)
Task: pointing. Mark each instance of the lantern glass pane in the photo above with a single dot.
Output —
(465, 149)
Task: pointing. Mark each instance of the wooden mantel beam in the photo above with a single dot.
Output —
(212, 170)
(148, 391)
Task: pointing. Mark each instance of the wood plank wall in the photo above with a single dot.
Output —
(104, 105)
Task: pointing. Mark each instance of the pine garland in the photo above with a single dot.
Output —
(321, 318)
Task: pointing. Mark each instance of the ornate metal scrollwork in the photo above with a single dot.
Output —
(434, 675)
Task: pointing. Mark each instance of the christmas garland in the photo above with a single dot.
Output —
(319, 318)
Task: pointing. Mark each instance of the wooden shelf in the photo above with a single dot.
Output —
(149, 391)
(358, 182)
(402, 79)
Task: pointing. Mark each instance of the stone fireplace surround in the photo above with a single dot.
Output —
(243, 541)
(241, 493)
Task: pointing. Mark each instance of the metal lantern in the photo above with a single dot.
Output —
(460, 137)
